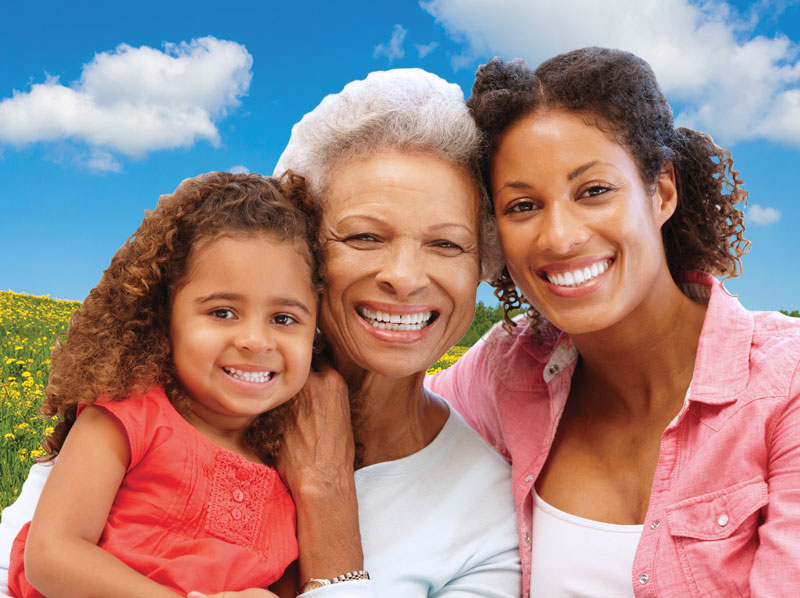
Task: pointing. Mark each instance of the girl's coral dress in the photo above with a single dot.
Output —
(189, 514)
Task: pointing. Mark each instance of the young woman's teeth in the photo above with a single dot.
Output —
(580, 276)
(259, 377)
(395, 322)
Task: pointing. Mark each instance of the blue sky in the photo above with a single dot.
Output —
(105, 106)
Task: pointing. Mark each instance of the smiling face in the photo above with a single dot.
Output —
(241, 328)
(400, 237)
(580, 232)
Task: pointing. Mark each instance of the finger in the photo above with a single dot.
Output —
(197, 595)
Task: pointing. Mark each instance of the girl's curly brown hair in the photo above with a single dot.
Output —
(117, 343)
(618, 93)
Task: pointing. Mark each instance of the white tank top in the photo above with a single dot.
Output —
(575, 557)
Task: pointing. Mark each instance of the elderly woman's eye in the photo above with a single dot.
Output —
(365, 237)
(444, 244)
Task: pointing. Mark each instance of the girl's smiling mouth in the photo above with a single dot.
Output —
(256, 376)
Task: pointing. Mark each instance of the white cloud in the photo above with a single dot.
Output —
(731, 84)
(239, 169)
(394, 47)
(134, 100)
(103, 161)
(424, 49)
(759, 215)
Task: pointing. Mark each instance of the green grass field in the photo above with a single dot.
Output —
(28, 329)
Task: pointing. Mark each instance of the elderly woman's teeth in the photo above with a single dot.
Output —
(259, 377)
(395, 322)
(579, 276)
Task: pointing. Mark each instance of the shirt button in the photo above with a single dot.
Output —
(243, 474)
(643, 578)
(723, 520)
(553, 369)
(655, 524)
(527, 537)
(236, 514)
(528, 479)
(238, 495)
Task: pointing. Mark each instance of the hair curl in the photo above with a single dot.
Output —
(117, 343)
(402, 109)
(618, 93)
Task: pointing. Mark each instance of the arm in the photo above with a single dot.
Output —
(18, 514)
(497, 573)
(316, 463)
(72, 513)
(776, 567)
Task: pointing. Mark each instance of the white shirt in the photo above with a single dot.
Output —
(573, 557)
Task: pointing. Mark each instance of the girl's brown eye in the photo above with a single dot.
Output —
(223, 313)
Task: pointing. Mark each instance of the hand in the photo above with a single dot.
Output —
(249, 593)
(316, 463)
(317, 448)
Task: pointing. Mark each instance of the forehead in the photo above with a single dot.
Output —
(230, 260)
(555, 135)
(415, 184)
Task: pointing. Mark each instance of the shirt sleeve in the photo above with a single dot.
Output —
(358, 588)
(18, 514)
(468, 386)
(776, 567)
(498, 573)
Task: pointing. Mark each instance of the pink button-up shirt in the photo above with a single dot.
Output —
(724, 512)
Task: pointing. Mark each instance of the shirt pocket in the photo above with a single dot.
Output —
(716, 536)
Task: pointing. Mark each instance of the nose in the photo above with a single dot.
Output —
(403, 270)
(254, 337)
(561, 230)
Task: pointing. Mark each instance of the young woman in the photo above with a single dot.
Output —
(653, 424)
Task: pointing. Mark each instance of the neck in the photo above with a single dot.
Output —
(392, 417)
(645, 362)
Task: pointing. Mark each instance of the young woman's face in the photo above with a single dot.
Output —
(242, 326)
(400, 234)
(580, 232)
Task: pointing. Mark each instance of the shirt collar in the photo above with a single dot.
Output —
(726, 337)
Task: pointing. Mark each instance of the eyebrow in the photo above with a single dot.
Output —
(581, 169)
(284, 301)
(382, 222)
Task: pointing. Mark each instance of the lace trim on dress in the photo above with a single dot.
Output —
(239, 493)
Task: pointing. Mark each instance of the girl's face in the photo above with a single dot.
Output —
(400, 234)
(241, 327)
(580, 232)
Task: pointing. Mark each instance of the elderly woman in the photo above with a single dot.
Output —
(414, 498)
(653, 423)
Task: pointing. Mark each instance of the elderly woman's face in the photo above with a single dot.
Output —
(400, 235)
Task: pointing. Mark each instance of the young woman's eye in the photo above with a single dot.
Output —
(284, 319)
(523, 205)
(223, 313)
(595, 190)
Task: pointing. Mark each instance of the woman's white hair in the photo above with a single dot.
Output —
(403, 109)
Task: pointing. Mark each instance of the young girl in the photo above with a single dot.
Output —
(169, 387)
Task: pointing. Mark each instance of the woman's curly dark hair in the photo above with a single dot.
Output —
(117, 343)
(618, 93)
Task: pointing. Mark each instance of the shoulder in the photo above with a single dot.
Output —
(468, 447)
(775, 351)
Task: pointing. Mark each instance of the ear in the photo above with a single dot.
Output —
(665, 198)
